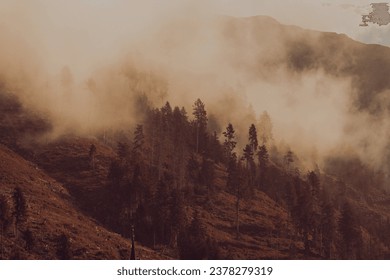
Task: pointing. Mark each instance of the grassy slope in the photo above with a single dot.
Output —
(51, 212)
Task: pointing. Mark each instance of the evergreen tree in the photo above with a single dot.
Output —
(263, 156)
(305, 217)
(29, 239)
(328, 227)
(138, 144)
(144, 217)
(180, 140)
(91, 155)
(288, 159)
(5, 220)
(194, 244)
(165, 143)
(253, 143)
(161, 212)
(248, 156)
(116, 173)
(63, 248)
(350, 233)
(136, 188)
(136, 185)
(291, 198)
(263, 159)
(314, 182)
(215, 150)
(123, 151)
(265, 128)
(229, 142)
(167, 113)
(250, 164)
(20, 204)
(177, 215)
(193, 170)
(200, 122)
(207, 172)
(234, 184)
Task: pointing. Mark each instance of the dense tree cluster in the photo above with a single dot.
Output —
(172, 159)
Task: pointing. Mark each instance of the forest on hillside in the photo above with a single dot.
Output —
(170, 170)
(276, 146)
(173, 158)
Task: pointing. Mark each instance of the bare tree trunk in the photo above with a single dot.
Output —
(132, 254)
(197, 138)
(154, 238)
(93, 162)
(16, 229)
(2, 245)
(238, 214)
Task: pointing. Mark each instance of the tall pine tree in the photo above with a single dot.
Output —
(200, 123)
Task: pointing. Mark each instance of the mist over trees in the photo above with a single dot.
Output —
(172, 163)
(307, 179)
(168, 172)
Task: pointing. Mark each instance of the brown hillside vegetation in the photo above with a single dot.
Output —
(51, 212)
(262, 219)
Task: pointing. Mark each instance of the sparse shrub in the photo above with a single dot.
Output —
(63, 248)
(29, 239)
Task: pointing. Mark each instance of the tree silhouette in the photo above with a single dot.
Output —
(20, 205)
(229, 142)
(177, 216)
(161, 213)
(5, 220)
(350, 233)
(250, 165)
(181, 136)
(200, 122)
(29, 239)
(193, 170)
(63, 248)
(314, 182)
(194, 244)
(234, 184)
(253, 142)
(288, 159)
(305, 216)
(265, 128)
(263, 159)
(116, 173)
(123, 151)
(207, 173)
(248, 156)
(328, 227)
(91, 155)
(138, 144)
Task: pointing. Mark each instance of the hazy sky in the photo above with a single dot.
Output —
(79, 25)
(342, 16)
(83, 61)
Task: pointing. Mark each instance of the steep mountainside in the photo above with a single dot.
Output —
(51, 212)
(189, 191)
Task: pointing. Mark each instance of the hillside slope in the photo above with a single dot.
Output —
(51, 212)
